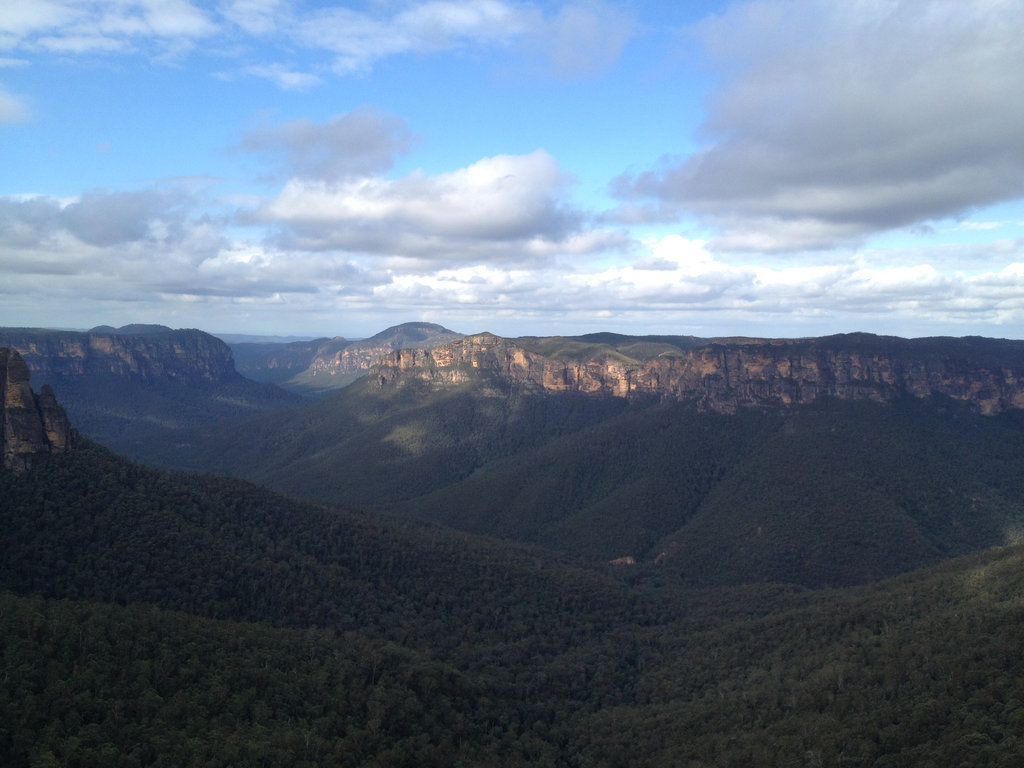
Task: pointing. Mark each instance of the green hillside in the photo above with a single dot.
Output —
(154, 619)
(829, 494)
(826, 495)
(373, 448)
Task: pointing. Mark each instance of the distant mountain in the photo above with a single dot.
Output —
(259, 338)
(276, 362)
(134, 387)
(323, 365)
(133, 329)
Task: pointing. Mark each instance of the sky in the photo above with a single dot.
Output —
(766, 168)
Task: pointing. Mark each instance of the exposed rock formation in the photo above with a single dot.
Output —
(143, 352)
(32, 425)
(133, 389)
(725, 375)
(339, 361)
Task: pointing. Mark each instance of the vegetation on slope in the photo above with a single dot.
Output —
(167, 620)
(828, 494)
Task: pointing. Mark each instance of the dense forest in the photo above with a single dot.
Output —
(834, 493)
(180, 619)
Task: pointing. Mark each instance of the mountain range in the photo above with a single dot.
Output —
(598, 550)
(725, 461)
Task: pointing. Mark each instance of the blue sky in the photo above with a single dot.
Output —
(771, 168)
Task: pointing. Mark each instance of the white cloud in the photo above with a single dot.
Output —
(359, 39)
(579, 39)
(284, 77)
(692, 287)
(838, 120)
(102, 26)
(79, 44)
(157, 253)
(12, 109)
(505, 207)
(20, 19)
(257, 17)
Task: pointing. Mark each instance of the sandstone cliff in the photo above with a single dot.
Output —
(153, 353)
(338, 362)
(135, 388)
(724, 375)
(32, 425)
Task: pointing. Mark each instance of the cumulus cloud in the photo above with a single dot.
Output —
(356, 143)
(504, 207)
(160, 253)
(145, 244)
(834, 121)
(144, 218)
(687, 287)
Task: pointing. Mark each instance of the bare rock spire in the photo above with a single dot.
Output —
(32, 425)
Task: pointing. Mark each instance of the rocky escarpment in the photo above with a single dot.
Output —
(339, 361)
(725, 375)
(152, 353)
(136, 388)
(32, 425)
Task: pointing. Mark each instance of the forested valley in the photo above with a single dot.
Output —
(470, 572)
(180, 619)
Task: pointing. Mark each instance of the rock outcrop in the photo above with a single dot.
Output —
(32, 425)
(724, 375)
(152, 353)
(135, 388)
(338, 362)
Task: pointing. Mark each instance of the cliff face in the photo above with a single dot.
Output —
(187, 356)
(32, 425)
(339, 361)
(726, 375)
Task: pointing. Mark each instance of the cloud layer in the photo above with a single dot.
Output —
(153, 254)
(578, 39)
(826, 124)
(836, 121)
